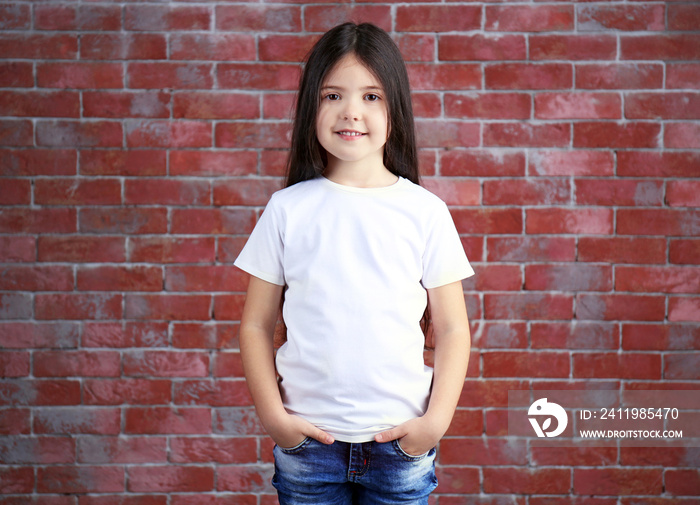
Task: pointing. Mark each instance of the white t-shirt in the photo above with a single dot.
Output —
(356, 263)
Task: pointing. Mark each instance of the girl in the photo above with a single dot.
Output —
(358, 251)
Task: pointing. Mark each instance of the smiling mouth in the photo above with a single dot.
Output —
(349, 133)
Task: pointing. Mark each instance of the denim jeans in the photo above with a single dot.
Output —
(352, 474)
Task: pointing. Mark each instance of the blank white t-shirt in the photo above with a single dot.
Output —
(356, 263)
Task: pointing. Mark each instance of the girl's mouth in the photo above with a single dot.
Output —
(350, 133)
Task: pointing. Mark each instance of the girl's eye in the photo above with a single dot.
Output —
(333, 96)
(371, 97)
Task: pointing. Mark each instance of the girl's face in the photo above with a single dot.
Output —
(352, 121)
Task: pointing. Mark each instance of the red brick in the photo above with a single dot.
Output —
(619, 76)
(229, 307)
(172, 249)
(126, 104)
(224, 450)
(38, 220)
(43, 450)
(683, 75)
(257, 18)
(17, 249)
(39, 46)
(618, 481)
(16, 74)
(127, 334)
(466, 422)
(616, 307)
(40, 103)
(573, 47)
(529, 18)
(527, 480)
(195, 105)
(658, 164)
(130, 450)
(15, 16)
(622, 250)
(117, 278)
(682, 482)
(531, 249)
(124, 220)
(205, 278)
(488, 105)
(16, 133)
(682, 367)
(662, 106)
(76, 363)
(682, 135)
(577, 163)
(228, 365)
(14, 363)
(652, 456)
(79, 133)
(77, 192)
(579, 336)
(617, 366)
(572, 277)
(525, 364)
(683, 17)
(79, 75)
(564, 220)
(481, 47)
(166, 420)
(16, 480)
(488, 221)
(684, 309)
(437, 18)
(168, 307)
(219, 393)
(660, 47)
(528, 306)
(666, 222)
(143, 162)
(642, 193)
(218, 47)
(321, 18)
(37, 278)
(213, 221)
(167, 17)
(165, 364)
(166, 192)
(83, 17)
(245, 191)
(660, 337)
(685, 252)
(77, 420)
(252, 135)
(482, 163)
(212, 163)
(665, 279)
(416, 47)
(442, 133)
(444, 76)
(527, 135)
(123, 46)
(643, 18)
(80, 479)
(173, 75)
(131, 391)
(496, 278)
(494, 335)
(164, 133)
(578, 106)
(16, 192)
(617, 135)
(482, 452)
(251, 479)
(425, 105)
(78, 306)
(24, 162)
(170, 478)
(526, 192)
(20, 335)
(458, 480)
(528, 76)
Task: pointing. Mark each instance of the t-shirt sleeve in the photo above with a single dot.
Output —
(262, 255)
(444, 259)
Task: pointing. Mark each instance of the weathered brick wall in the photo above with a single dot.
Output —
(139, 142)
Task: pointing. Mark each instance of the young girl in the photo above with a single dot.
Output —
(357, 250)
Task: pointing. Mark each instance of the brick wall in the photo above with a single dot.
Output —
(139, 142)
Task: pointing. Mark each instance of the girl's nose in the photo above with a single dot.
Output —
(351, 111)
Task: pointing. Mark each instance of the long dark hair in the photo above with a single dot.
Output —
(375, 50)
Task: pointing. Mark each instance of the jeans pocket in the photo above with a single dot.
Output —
(408, 457)
(297, 448)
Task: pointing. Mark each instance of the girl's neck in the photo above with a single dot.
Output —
(360, 174)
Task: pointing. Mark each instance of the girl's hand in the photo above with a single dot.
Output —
(289, 431)
(416, 436)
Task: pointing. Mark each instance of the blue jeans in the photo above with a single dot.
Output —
(352, 474)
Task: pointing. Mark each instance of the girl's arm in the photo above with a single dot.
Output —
(257, 353)
(452, 344)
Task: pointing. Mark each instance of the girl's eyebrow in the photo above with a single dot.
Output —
(340, 88)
